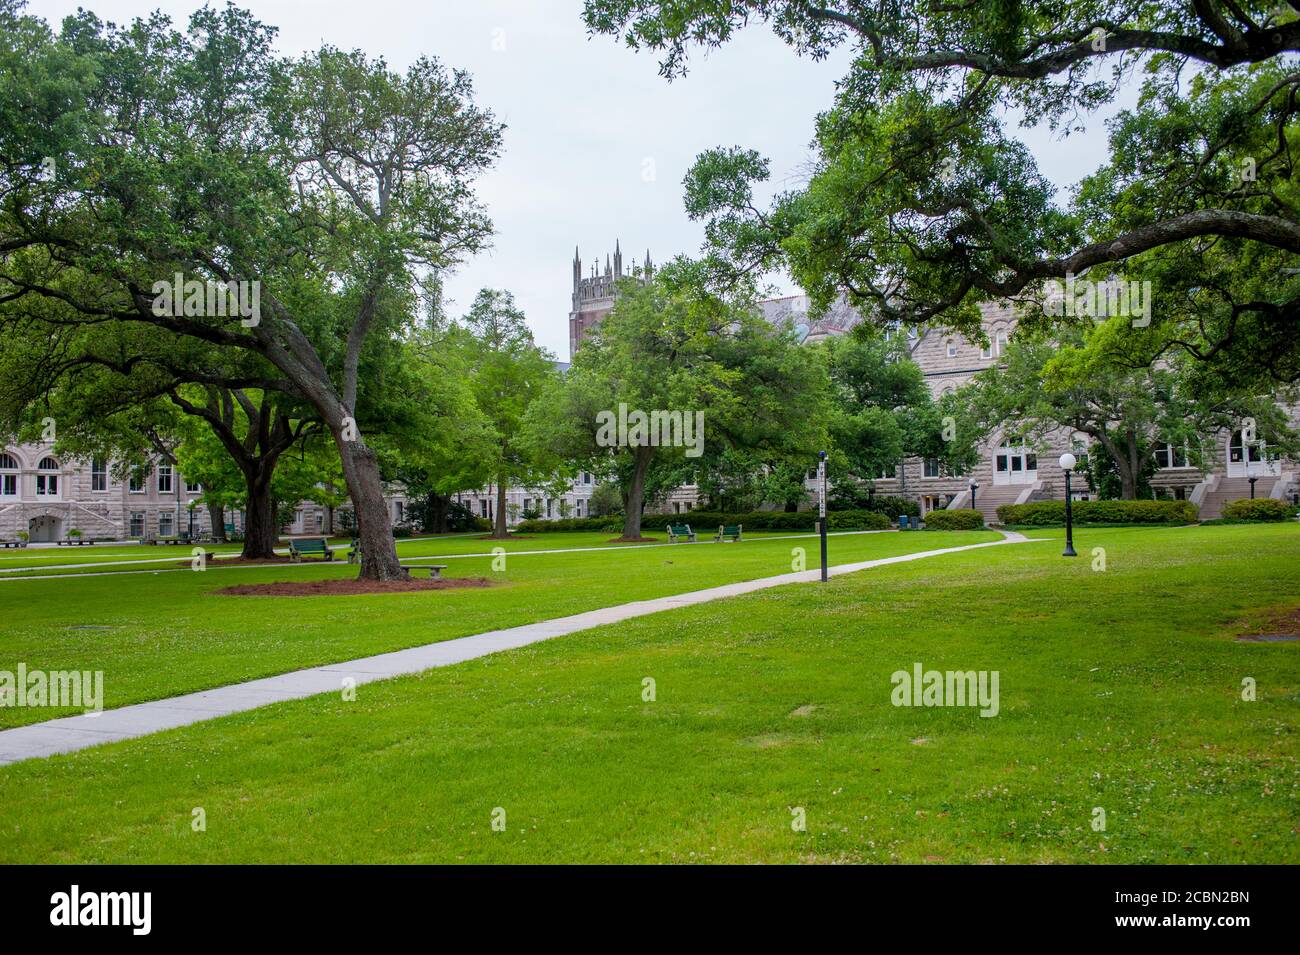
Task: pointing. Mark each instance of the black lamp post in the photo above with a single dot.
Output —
(1252, 487)
(1067, 465)
(973, 488)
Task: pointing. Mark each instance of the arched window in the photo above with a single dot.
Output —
(47, 478)
(8, 475)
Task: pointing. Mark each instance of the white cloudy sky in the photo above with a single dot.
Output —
(597, 142)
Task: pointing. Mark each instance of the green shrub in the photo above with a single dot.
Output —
(703, 522)
(857, 520)
(1049, 513)
(1259, 509)
(893, 506)
(959, 519)
(571, 524)
(850, 497)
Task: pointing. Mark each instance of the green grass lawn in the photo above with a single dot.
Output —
(145, 559)
(1119, 689)
(167, 632)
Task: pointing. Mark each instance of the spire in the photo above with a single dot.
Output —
(608, 270)
(577, 268)
(618, 260)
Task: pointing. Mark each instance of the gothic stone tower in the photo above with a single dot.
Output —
(594, 294)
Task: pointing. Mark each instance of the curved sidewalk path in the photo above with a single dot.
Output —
(72, 733)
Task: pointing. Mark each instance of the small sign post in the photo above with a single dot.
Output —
(821, 506)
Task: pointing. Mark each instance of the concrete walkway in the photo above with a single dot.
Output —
(80, 732)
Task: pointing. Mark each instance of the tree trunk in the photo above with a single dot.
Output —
(260, 531)
(217, 515)
(436, 507)
(374, 528)
(499, 530)
(635, 503)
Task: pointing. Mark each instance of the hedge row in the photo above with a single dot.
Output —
(571, 524)
(709, 521)
(960, 519)
(1042, 513)
(1259, 509)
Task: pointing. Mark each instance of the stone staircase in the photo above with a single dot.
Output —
(989, 498)
(1232, 489)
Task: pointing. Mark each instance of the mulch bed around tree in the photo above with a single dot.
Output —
(633, 540)
(240, 561)
(1281, 623)
(350, 586)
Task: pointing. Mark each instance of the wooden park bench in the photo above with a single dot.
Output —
(310, 545)
(354, 553)
(729, 532)
(8, 544)
(73, 541)
(680, 532)
(435, 570)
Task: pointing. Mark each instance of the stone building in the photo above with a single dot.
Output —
(48, 496)
(1012, 469)
(594, 294)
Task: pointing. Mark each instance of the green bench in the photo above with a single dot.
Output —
(728, 532)
(680, 532)
(308, 546)
(354, 553)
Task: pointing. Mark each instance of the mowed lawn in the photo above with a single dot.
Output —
(164, 631)
(1120, 690)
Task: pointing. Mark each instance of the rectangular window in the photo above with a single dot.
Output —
(166, 523)
(193, 487)
(931, 467)
(98, 475)
(1031, 462)
(1171, 456)
(135, 483)
(47, 485)
(9, 485)
(952, 349)
(1002, 463)
(137, 524)
(164, 479)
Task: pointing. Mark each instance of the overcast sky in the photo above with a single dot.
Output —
(597, 142)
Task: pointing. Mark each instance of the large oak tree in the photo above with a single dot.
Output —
(920, 203)
(130, 155)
